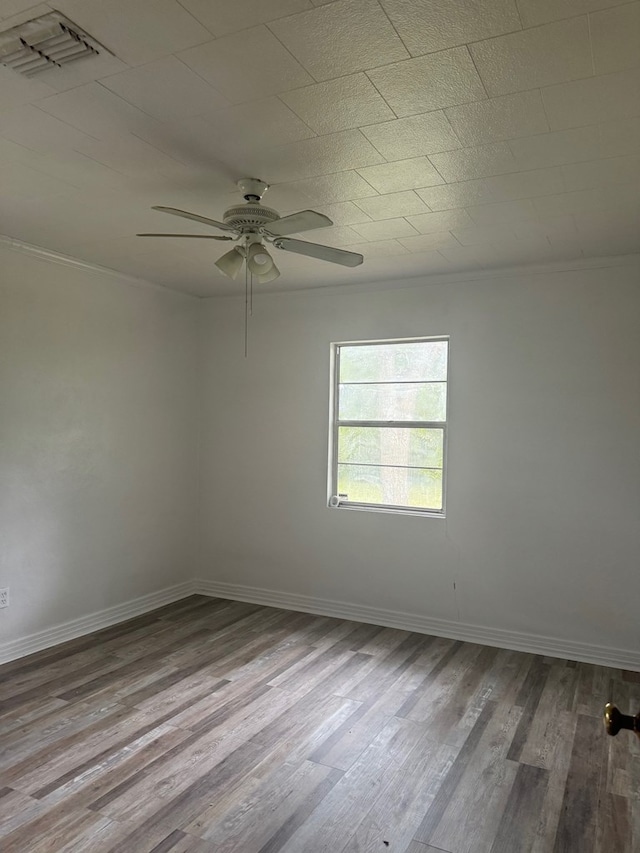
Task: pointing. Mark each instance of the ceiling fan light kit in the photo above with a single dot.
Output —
(230, 263)
(259, 260)
(254, 224)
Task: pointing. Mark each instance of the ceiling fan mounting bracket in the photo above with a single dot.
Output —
(252, 189)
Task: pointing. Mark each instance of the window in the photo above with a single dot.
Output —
(389, 425)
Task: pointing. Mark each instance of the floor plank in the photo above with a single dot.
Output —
(218, 726)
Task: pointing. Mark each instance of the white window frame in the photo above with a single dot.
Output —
(333, 499)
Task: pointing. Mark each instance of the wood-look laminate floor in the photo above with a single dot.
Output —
(212, 725)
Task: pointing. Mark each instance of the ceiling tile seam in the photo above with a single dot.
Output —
(451, 127)
(488, 99)
(544, 110)
(326, 175)
(438, 172)
(459, 242)
(516, 5)
(159, 150)
(36, 105)
(390, 219)
(198, 21)
(523, 29)
(507, 139)
(591, 53)
(476, 41)
(333, 80)
(313, 133)
(460, 146)
(569, 16)
(403, 160)
(393, 27)
(382, 96)
(362, 70)
(477, 70)
(361, 127)
(518, 171)
(576, 158)
(382, 195)
(131, 133)
(122, 98)
(471, 44)
(364, 179)
(197, 73)
(295, 58)
(438, 252)
(78, 86)
(465, 181)
(528, 29)
(495, 141)
(108, 77)
(18, 18)
(86, 157)
(130, 103)
(126, 133)
(590, 124)
(24, 148)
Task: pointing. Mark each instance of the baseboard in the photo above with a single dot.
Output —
(93, 622)
(519, 641)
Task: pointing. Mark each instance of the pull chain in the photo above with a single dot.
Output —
(246, 310)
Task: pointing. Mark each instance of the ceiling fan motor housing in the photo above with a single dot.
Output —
(249, 217)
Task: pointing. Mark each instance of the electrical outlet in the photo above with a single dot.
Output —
(4, 597)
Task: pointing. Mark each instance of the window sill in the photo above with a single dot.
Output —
(421, 513)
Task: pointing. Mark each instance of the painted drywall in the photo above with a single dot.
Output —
(98, 434)
(541, 534)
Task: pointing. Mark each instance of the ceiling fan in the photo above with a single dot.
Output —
(252, 224)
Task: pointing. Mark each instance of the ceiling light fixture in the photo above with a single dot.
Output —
(254, 224)
(273, 273)
(230, 264)
(259, 260)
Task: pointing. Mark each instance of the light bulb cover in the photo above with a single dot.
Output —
(259, 260)
(230, 263)
(273, 273)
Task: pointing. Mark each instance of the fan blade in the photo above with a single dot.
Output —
(195, 217)
(194, 236)
(305, 220)
(323, 253)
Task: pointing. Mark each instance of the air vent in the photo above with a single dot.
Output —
(50, 41)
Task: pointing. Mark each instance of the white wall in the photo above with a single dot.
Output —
(98, 420)
(542, 532)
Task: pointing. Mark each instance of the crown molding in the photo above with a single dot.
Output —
(54, 257)
(413, 282)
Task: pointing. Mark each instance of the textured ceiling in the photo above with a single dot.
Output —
(439, 136)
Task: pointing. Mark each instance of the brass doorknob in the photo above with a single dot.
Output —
(614, 720)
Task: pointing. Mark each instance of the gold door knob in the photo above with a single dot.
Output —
(614, 720)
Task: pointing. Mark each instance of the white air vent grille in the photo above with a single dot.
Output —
(47, 42)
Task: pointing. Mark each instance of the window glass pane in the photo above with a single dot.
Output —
(411, 402)
(420, 360)
(407, 487)
(421, 448)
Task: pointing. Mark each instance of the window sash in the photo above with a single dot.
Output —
(337, 423)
